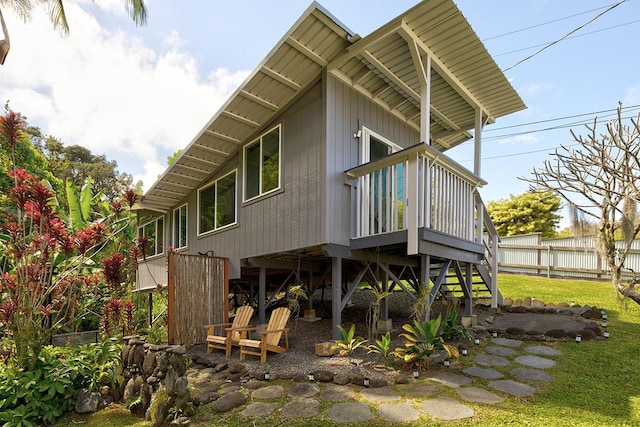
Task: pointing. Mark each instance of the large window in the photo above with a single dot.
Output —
(217, 204)
(154, 232)
(180, 227)
(262, 164)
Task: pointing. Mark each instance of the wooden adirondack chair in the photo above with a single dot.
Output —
(269, 338)
(233, 331)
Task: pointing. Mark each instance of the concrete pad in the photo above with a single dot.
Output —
(478, 395)
(337, 393)
(259, 409)
(302, 390)
(542, 350)
(269, 392)
(450, 380)
(536, 322)
(419, 389)
(498, 350)
(383, 394)
(507, 342)
(398, 412)
(535, 362)
(349, 412)
(528, 374)
(513, 388)
(301, 408)
(446, 408)
(489, 360)
(486, 373)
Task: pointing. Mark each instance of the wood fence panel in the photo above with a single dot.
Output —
(198, 296)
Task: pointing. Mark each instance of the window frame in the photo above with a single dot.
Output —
(177, 227)
(140, 232)
(365, 152)
(245, 169)
(214, 183)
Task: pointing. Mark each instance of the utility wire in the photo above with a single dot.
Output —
(544, 23)
(565, 36)
(568, 38)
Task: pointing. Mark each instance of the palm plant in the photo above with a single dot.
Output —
(382, 347)
(349, 342)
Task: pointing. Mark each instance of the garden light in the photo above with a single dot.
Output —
(267, 376)
(578, 338)
(311, 378)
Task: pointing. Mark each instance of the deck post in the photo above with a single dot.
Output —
(262, 295)
(425, 273)
(384, 309)
(468, 284)
(412, 200)
(336, 296)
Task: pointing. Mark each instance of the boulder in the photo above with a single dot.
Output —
(228, 402)
(326, 349)
(323, 376)
(87, 403)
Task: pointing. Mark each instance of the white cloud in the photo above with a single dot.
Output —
(632, 97)
(527, 138)
(109, 91)
(533, 89)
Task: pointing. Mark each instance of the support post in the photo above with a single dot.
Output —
(425, 279)
(477, 138)
(150, 308)
(336, 296)
(262, 295)
(384, 309)
(468, 305)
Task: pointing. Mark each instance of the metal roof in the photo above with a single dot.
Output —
(381, 65)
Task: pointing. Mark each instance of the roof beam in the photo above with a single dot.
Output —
(258, 100)
(182, 176)
(360, 46)
(177, 184)
(410, 37)
(160, 190)
(191, 168)
(200, 160)
(282, 79)
(243, 120)
(306, 51)
(223, 137)
(212, 150)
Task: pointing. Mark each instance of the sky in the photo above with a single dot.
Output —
(138, 94)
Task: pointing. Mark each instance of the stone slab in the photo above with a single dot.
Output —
(490, 360)
(507, 342)
(301, 390)
(450, 380)
(486, 373)
(478, 395)
(337, 393)
(259, 409)
(446, 408)
(419, 389)
(301, 408)
(498, 350)
(542, 350)
(349, 412)
(383, 394)
(398, 412)
(535, 362)
(513, 388)
(529, 374)
(269, 392)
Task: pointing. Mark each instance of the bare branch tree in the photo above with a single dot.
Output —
(601, 180)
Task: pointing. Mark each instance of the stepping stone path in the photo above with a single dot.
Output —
(353, 403)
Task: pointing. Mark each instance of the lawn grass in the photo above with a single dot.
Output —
(596, 383)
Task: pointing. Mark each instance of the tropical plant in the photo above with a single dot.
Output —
(422, 340)
(419, 306)
(349, 342)
(382, 347)
(451, 330)
(374, 308)
(295, 293)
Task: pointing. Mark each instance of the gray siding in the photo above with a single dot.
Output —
(344, 109)
(289, 219)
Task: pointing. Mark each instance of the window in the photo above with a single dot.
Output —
(262, 165)
(180, 227)
(154, 231)
(217, 204)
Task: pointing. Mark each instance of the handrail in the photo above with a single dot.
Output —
(430, 153)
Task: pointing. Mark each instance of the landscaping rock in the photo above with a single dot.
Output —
(326, 349)
(228, 402)
(349, 412)
(301, 408)
(87, 403)
(323, 376)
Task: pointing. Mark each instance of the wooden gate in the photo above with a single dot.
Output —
(198, 296)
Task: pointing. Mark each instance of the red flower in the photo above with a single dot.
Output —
(116, 207)
(112, 269)
(131, 197)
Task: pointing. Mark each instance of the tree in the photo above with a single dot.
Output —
(530, 212)
(599, 180)
(135, 8)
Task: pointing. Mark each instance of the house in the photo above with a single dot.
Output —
(327, 167)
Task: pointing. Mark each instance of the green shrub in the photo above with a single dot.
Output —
(31, 398)
(422, 340)
(349, 342)
(451, 330)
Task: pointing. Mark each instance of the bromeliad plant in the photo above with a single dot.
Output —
(422, 340)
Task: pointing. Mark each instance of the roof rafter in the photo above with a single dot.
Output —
(223, 136)
(240, 119)
(306, 51)
(279, 77)
(255, 98)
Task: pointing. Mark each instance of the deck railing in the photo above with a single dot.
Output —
(414, 188)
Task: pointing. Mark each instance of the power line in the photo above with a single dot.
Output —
(569, 38)
(545, 23)
(565, 36)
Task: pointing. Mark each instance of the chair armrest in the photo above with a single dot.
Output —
(285, 330)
